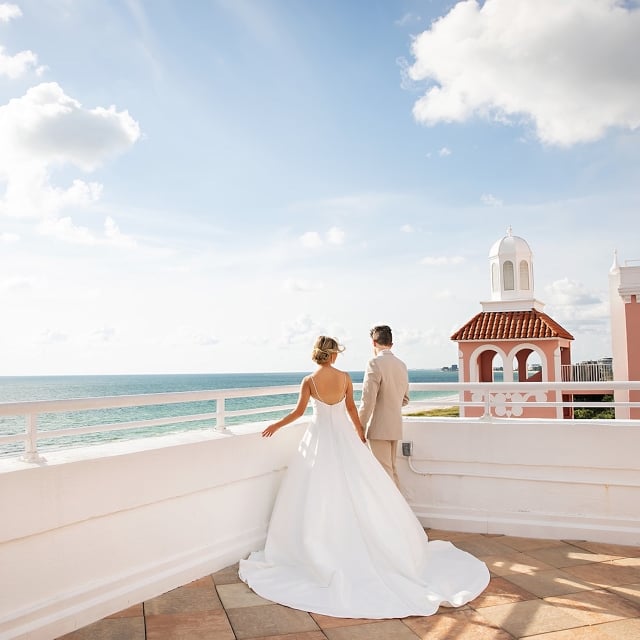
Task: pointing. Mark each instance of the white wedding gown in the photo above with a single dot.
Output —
(342, 540)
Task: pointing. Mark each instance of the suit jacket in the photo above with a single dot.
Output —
(385, 390)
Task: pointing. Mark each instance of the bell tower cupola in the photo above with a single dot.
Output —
(511, 273)
(513, 332)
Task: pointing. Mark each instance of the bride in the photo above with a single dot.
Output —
(342, 540)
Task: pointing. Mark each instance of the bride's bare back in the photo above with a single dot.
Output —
(326, 384)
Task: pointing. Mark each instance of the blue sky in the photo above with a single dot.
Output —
(206, 186)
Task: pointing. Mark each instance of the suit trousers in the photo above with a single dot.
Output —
(385, 452)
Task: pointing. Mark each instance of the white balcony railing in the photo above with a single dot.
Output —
(587, 372)
(496, 400)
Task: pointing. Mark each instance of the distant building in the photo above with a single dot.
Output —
(589, 371)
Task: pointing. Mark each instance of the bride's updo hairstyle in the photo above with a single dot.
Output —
(324, 348)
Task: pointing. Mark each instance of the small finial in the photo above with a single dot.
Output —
(509, 231)
(615, 266)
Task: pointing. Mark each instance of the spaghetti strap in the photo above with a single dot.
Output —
(315, 389)
(346, 384)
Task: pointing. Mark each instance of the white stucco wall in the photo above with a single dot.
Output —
(95, 530)
(576, 479)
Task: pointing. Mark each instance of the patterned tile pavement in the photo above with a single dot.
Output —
(539, 590)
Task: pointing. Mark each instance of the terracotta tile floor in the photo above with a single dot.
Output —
(539, 590)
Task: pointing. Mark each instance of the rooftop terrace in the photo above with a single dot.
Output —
(152, 528)
(539, 590)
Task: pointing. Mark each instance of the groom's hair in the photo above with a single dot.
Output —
(382, 335)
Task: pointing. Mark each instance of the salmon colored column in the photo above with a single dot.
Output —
(632, 317)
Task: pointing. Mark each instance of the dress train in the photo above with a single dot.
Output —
(343, 542)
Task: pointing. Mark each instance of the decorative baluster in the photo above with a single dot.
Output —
(487, 406)
(220, 425)
(31, 440)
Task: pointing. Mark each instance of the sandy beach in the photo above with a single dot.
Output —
(427, 404)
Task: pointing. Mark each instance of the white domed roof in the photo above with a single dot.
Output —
(511, 274)
(510, 245)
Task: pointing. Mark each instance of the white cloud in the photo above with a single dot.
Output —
(335, 235)
(14, 66)
(407, 19)
(569, 67)
(490, 200)
(103, 334)
(583, 313)
(9, 11)
(9, 238)
(569, 292)
(17, 283)
(441, 260)
(66, 230)
(46, 127)
(407, 228)
(115, 237)
(206, 340)
(444, 152)
(18, 64)
(52, 336)
(295, 285)
(417, 337)
(311, 240)
(301, 330)
(185, 335)
(29, 194)
(314, 240)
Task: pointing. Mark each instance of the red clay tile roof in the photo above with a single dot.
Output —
(510, 325)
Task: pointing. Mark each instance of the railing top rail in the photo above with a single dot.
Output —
(106, 402)
(501, 386)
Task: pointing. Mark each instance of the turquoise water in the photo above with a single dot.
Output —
(29, 388)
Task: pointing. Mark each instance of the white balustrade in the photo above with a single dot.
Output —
(499, 400)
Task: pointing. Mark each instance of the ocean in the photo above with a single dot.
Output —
(29, 388)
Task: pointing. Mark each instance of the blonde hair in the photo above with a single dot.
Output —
(323, 348)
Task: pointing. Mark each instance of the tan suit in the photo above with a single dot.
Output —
(385, 390)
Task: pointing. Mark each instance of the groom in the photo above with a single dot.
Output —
(385, 390)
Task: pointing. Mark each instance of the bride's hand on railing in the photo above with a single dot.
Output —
(269, 431)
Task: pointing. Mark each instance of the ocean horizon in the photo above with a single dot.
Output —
(58, 387)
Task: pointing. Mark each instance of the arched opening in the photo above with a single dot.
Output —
(526, 369)
(527, 365)
(524, 275)
(508, 276)
(485, 365)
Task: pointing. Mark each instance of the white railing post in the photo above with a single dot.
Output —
(31, 440)
(220, 425)
(487, 406)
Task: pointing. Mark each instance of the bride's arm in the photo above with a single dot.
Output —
(352, 410)
(303, 401)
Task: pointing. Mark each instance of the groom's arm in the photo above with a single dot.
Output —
(370, 387)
